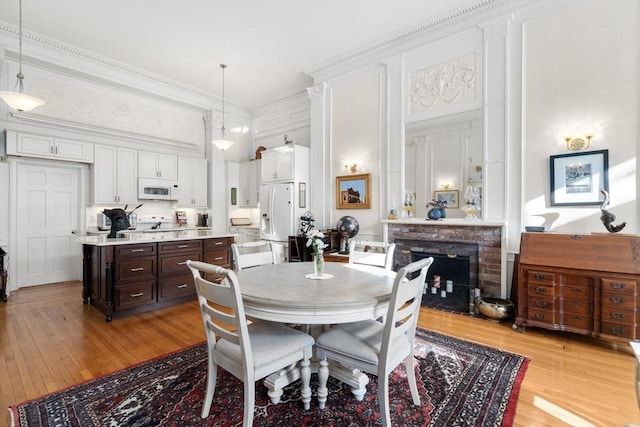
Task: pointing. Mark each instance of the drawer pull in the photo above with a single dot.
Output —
(137, 250)
(182, 263)
(577, 304)
(617, 316)
(539, 276)
(452, 255)
(574, 317)
(182, 286)
(617, 331)
(219, 243)
(617, 300)
(577, 291)
(182, 246)
(137, 269)
(540, 290)
(616, 286)
(540, 316)
(218, 258)
(139, 294)
(541, 304)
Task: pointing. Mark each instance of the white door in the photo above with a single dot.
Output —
(47, 221)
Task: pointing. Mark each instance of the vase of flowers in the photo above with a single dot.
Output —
(437, 209)
(315, 240)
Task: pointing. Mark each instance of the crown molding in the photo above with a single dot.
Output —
(65, 59)
(412, 37)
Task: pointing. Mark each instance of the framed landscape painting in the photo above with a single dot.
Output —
(576, 178)
(353, 191)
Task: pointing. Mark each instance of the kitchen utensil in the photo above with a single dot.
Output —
(134, 208)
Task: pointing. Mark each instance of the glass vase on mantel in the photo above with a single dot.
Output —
(318, 264)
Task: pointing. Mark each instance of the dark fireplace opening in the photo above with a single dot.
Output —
(447, 286)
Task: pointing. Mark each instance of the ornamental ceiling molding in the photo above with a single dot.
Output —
(58, 56)
(476, 9)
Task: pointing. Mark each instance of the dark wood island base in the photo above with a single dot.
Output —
(130, 277)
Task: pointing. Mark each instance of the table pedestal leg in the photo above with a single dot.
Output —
(357, 379)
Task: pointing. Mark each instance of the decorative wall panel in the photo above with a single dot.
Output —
(99, 108)
(445, 84)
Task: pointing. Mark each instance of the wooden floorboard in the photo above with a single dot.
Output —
(49, 340)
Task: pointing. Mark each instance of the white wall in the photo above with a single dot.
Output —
(582, 71)
(356, 138)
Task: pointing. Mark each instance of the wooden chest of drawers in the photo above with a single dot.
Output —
(585, 283)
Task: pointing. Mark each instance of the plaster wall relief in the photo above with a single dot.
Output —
(448, 83)
(118, 112)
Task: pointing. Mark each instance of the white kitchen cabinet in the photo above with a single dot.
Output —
(156, 165)
(192, 182)
(114, 175)
(49, 147)
(288, 163)
(249, 184)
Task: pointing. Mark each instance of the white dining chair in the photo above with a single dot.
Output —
(249, 351)
(252, 254)
(375, 347)
(370, 252)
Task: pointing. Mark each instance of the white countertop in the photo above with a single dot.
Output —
(131, 238)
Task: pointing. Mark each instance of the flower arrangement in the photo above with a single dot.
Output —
(441, 204)
(315, 240)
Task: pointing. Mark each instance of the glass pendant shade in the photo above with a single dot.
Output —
(20, 101)
(222, 144)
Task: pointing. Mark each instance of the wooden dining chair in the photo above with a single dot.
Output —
(249, 351)
(252, 254)
(370, 252)
(375, 347)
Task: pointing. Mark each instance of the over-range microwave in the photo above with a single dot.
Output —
(157, 189)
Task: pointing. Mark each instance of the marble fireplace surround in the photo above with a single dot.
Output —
(488, 235)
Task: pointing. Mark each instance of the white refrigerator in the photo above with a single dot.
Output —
(278, 215)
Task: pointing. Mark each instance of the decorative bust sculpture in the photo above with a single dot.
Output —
(119, 221)
(607, 217)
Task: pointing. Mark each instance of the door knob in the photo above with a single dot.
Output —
(74, 231)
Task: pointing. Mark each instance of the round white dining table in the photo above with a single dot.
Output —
(282, 293)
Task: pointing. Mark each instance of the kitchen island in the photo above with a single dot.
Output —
(139, 272)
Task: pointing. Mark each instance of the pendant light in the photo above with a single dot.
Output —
(18, 100)
(222, 143)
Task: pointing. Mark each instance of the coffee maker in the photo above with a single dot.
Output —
(203, 220)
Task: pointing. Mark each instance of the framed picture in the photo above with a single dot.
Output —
(451, 196)
(302, 195)
(353, 191)
(576, 178)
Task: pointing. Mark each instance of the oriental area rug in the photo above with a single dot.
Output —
(460, 383)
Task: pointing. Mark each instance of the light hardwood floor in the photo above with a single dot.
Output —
(49, 340)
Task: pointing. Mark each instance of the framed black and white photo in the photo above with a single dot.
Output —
(576, 178)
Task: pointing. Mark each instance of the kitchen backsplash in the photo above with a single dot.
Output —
(165, 211)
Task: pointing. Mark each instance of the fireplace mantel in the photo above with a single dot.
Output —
(489, 235)
(446, 221)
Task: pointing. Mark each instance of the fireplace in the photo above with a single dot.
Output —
(451, 277)
(481, 241)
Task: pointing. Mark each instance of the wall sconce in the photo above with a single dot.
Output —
(578, 143)
(445, 187)
(352, 167)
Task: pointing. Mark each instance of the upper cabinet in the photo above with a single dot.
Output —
(192, 182)
(114, 175)
(249, 184)
(288, 163)
(156, 165)
(49, 147)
